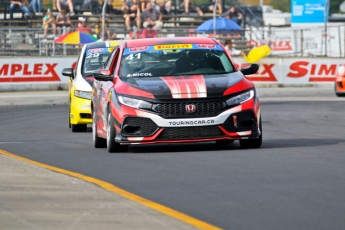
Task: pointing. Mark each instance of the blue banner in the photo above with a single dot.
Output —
(309, 11)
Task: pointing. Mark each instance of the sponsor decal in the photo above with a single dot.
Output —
(135, 49)
(265, 74)
(37, 72)
(281, 45)
(113, 43)
(316, 72)
(192, 122)
(110, 49)
(173, 46)
(95, 50)
(206, 46)
(140, 75)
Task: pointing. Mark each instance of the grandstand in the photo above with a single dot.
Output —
(23, 35)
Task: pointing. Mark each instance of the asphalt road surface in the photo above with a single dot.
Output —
(295, 181)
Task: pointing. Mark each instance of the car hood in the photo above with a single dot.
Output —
(189, 86)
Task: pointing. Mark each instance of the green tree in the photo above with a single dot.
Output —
(334, 6)
(283, 5)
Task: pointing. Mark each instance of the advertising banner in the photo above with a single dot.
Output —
(45, 73)
(306, 11)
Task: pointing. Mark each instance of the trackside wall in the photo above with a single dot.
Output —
(21, 74)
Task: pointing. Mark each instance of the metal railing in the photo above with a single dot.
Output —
(304, 42)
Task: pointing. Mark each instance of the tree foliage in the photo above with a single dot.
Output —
(283, 5)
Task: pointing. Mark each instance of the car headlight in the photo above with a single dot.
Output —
(239, 99)
(82, 94)
(134, 103)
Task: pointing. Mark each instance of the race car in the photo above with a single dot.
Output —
(91, 57)
(339, 86)
(174, 90)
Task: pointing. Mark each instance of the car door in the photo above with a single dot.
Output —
(103, 93)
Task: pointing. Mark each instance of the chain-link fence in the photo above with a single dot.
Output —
(317, 41)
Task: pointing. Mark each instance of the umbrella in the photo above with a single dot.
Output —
(223, 25)
(76, 38)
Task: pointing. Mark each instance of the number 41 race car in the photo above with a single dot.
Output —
(174, 90)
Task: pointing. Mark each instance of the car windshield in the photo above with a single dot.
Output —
(174, 59)
(94, 59)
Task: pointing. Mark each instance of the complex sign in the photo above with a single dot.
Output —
(43, 71)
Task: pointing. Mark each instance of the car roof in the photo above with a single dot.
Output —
(175, 40)
(102, 44)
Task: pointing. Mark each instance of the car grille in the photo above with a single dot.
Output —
(190, 132)
(203, 109)
(138, 126)
(245, 121)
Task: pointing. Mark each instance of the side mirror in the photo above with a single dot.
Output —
(68, 72)
(248, 69)
(102, 75)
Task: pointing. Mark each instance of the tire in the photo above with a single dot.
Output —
(337, 93)
(112, 146)
(224, 142)
(79, 128)
(252, 143)
(97, 141)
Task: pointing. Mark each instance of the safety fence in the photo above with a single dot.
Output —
(294, 42)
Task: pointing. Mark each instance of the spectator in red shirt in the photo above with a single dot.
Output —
(148, 32)
(83, 26)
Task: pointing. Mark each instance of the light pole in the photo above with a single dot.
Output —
(103, 20)
(325, 14)
(214, 19)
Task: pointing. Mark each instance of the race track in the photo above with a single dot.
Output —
(295, 181)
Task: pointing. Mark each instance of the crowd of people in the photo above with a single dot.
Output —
(142, 18)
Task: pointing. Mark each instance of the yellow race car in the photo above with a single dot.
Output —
(91, 57)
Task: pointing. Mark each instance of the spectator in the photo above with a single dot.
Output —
(187, 5)
(63, 21)
(152, 16)
(48, 22)
(132, 14)
(210, 8)
(143, 4)
(148, 32)
(108, 35)
(109, 8)
(126, 4)
(234, 15)
(36, 5)
(134, 34)
(65, 4)
(83, 26)
(230, 48)
(164, 6)
(92, 5)
(21, 5)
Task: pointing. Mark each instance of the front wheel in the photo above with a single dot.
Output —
(112, 146)
(97, 141)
